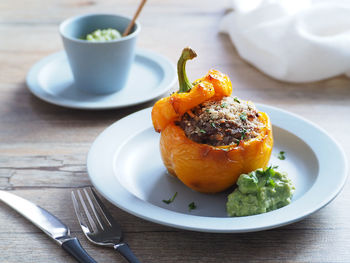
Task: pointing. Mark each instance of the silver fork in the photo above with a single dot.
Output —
(98, 224)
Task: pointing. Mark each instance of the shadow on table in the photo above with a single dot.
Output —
(28, 103)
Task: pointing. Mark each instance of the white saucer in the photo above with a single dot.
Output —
(151, 76)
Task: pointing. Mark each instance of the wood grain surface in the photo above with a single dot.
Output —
(43, 147)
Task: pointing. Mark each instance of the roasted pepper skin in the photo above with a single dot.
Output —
(202, 167)
(169, 109)
(214, 85)
(221, 83)
(211, 169)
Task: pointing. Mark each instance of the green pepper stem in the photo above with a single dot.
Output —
(184, 83)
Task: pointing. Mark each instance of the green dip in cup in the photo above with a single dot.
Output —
(103, 35)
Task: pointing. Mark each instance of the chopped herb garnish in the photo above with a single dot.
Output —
(202, 131)
(243, 116)
(192, 206)
(269, 173)
(171, 199)
(274, 166)
(207, 110)
(243, 133)
(213, 124)
(271, 182)
(269, 170)
(223, 105)
(281, 155)
(236, 100)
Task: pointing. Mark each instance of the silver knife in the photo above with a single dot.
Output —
(49, 224)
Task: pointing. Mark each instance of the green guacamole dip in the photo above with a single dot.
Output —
(259, 192)
(103, 35)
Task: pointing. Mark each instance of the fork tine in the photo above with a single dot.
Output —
(105, 230)
(87, 212)
(108, 218)
(98, 215)
(80, 213)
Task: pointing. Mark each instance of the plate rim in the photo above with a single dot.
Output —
(36, 89)
(222, 224)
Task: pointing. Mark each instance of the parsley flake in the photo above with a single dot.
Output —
(213, 124)
(192, 206)
(281, 155)
(271, 182)
(202, 131)
(171, 199)
(243, 116)
(223, 105)
(269, 173)
(243, 133)
(236, 100)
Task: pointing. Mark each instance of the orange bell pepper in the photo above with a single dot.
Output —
(168, 109)
(212, 169)
(214, 85)
(203, 167)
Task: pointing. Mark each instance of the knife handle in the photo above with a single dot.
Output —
(126, 252)
(73, 247)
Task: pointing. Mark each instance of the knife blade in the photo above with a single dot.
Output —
(49, 224)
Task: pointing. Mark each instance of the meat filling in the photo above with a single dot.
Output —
(224, 122)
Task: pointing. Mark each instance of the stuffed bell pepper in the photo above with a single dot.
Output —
(208, 138)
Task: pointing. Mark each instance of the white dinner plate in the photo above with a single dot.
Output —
(125, 166)
(151, 76)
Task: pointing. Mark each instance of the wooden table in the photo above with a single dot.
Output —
(43, 147)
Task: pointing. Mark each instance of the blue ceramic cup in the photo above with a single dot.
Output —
(99, 67)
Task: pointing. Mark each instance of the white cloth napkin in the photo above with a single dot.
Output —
(292, 40)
